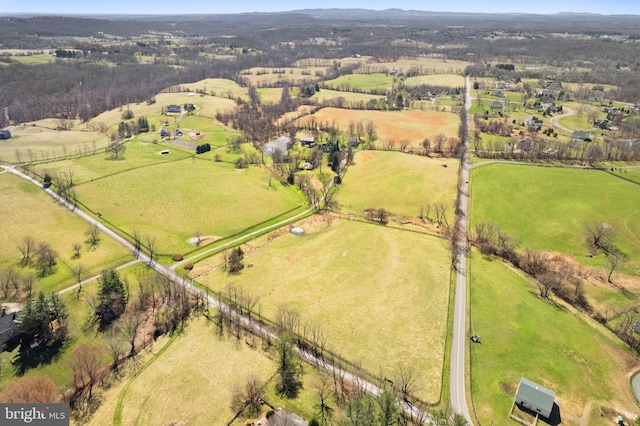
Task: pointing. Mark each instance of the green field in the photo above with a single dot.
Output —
(221, 87)
(394, 314)
(25, 210)
(548, 208)
(328, 94)
(366, 82)
(171, 200)
(451, 80)
(137, 154)
(193, 380)
(399, 183)
(40, 141)
(42, 58)
(523, 336)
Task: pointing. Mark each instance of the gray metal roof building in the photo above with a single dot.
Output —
(535, 397)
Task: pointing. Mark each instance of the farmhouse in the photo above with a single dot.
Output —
(498, 94)
(174, 109)
(581, 135)
(496, 105)
(5, 134)
(533, 121)
(535, 397)
(9, 328)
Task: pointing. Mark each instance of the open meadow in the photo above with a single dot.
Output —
(423, 65)
(525, 336)
(380, 83)
(26, 210)
(397, 125)
(451, 80)
(265, 76)
(328, 94)
(392, 315)
(138, 154)
(547, 208)
(170, 201)
(402, 184)
(41, 140)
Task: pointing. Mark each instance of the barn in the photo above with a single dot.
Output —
(535, 397)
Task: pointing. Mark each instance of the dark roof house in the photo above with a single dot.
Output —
(308, 141)
(174, 109)
(535, 397)
(9, 328)
(496, 105)
(5, 134)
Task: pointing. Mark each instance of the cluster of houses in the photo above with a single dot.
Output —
(283, 144)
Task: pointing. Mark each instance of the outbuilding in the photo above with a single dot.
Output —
(535, 397)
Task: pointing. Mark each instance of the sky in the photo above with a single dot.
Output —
(240, 6)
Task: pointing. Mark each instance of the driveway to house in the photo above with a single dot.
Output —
(554, 120)
(458, 348)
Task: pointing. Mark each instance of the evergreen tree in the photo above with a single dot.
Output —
(37, 317)
(111, 297)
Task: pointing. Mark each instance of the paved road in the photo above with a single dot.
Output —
(458, 347)
(566, 112)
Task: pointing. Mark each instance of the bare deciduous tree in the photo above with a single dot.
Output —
(26, 247)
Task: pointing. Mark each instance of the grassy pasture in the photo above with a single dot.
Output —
(206, 106)
(261, 76)
(170, 201)
(547, 208)
(451, 80)
(425, 65)
(137, 154)
(41, 58)
(366, 82)
(211, 132)
(220, 87)
(35, 142)
(398, 125)
(399, 183)
(270, 95)
(27, 210)
(326, 94)
(523, 336)
(193, 380)
(320, 275)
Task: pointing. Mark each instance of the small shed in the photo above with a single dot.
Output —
(164, 151)
(535, 397)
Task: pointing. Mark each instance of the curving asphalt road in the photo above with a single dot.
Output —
(458, 348)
